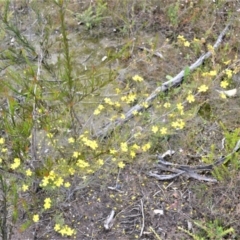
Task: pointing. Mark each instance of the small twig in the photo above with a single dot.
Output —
(116, 186)
(157, 54)
(156, 235)
(115, 189)
(87, 58)
(143, 218)
(165, 177)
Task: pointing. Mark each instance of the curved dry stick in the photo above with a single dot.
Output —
(165, 86)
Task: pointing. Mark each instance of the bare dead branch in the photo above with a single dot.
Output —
(190, 171)
(143, 218)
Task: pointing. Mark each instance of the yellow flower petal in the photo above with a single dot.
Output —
(203, 88)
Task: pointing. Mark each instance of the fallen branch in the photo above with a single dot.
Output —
(143, 218)
(189, 171)
(175, 81)
(108, 223)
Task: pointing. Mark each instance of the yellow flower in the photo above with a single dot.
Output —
(167, 105)
(163, 130)
(100, 107)
(132, 154)
(40, 110)
(96, 112)
(227, 62)
(24, 187)
(47, 203)
(135, 146)
(0, 160)
(186, 43)
(135, 112)
(210, 48)
(114, 117)
(130, 98)
(123, 98)
(124, 147)
(223, 96)
(228, 73)
(137, 78)
(179, 106)
(57, 227)
(44, 182)
(90, 171)
(93, 144)
(224, 84)
(100, 162)
(36, 218)
(65, 230)
(190, 98)
(154, 129)
(205, 74)
(59, 182)
(121, 165)
(196, 40)
(16, 163)
(175, 124)
(2, 140)
(146, 147)
(76, 154)
(122, 116)
(71, 140)
(67, 184)
(52, 175)
(181, 38)
(113, 151)
(213, 73)
(82, 164)
(117, 90)
(29, 172)
(108, 101)
(4, 150)
(69, 231)
(49, 135)
(145, 104)
(117, 104)
(71, 171)
(90, 143)
(203, 88)
(179, 124)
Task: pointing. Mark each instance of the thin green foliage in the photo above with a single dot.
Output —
(173, 12)
(210, 230)
(93, 16)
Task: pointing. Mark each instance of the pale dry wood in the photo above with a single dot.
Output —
(143, 218)
(190, 171)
